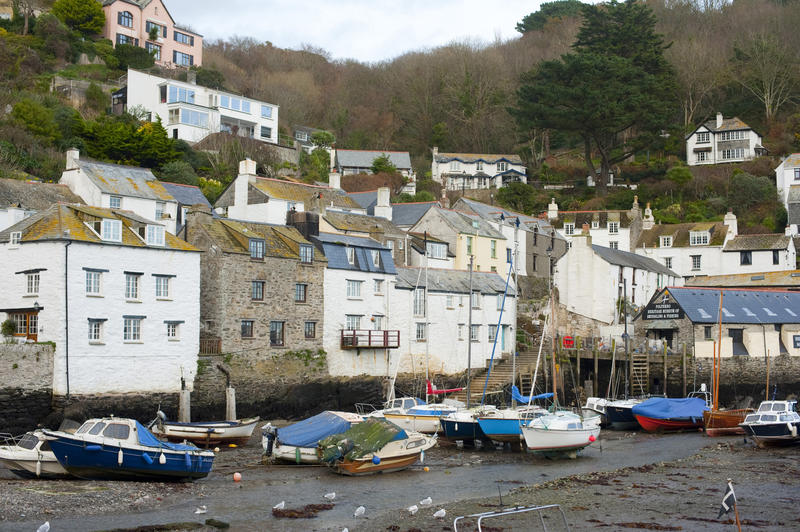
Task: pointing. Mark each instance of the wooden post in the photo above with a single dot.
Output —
(766, 394)
(595, 356)
(665, 370)
(578, 361)
(683, 369)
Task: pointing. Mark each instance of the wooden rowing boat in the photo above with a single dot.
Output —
(725, 422)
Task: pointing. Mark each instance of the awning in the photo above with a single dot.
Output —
(17, 310)
(702, 148)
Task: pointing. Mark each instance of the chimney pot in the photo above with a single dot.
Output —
(247, 167)
(335, 180)
(719, 120)
(73, 156)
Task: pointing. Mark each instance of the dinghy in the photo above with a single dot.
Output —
(559, 433)
(297, 442)
(30, 456)
(206, 433)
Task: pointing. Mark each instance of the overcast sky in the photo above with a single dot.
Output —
(365, 30)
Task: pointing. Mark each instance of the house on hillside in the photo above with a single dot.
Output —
(462, 171)
(115, 186)
(375, 227)
(766, 280)
(20, 199)
(615, 229)
(347, 162)
(148, 24)
(724, 140)
(403, 215)
(787, 180)
(191, 112)
(261, 286)
(303, 136)
(116, 293)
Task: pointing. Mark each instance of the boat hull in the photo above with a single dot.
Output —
(501, 430)
(555, 440)
(773, 434)
(295, 455)
(621, 418)
(208, 434)
(357, 468)
(416, 423)
(668, 425)
(48, 469)
(724, 422)
(462, 430)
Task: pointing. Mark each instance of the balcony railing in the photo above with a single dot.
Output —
(211, 346)
(369, 339)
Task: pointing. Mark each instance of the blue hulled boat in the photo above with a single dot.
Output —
(123, 449)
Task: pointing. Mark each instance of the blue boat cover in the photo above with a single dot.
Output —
(308, 432)
(665, 408)
(147, 439)
(518, 397)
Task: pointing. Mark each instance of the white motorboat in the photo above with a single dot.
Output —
(775, 423)
(410, 413)
(560, 432)
(30, 456)
(595, 406)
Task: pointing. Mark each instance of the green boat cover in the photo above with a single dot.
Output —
(362, 439)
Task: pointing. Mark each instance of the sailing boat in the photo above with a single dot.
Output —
(722, 422)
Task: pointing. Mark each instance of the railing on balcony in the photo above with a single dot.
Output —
(210, 346)
(368, 339)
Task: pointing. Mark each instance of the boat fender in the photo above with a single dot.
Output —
(270, 433)
(94, 448)
(146, 458)
(38, 467)
(456, 427)
(119, 456)
(162, 459)
(792, 430)
(188, 460)
(422, 457)
(376, 459)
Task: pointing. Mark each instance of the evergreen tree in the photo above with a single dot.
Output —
(85, 16)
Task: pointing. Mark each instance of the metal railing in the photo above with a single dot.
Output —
(211, 346)
(511, 511)
(369, 339)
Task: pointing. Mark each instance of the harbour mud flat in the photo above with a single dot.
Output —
(624, 481)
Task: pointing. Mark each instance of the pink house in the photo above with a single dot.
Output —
(135, 21)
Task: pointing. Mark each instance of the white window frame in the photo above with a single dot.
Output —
(112, 200)
(354, 289)
(132, 329)
(306, 253)
(569, 229)
(450, 301)
(455, 166)
(613, 244)
(132, 286)
(173, 331)
(668, 262)
(95, 333)
(15, 238)
(377, 287)
(666, 241)
(475, 300)
(377, 322)
(475, 333)
(697, 262)
(353, 322)
(32, 284)
(111, 230)
(419, 302)
(703, 137)
(698, 238)
(155, 235)
(421, 332)
(595, 224)
(492, 329)
(437, 250)
(351, 256)
(161, 207)
(613, 228)
(162, 286)
(94, 283)
(499, 301)
(502, 166)
(701, 156)
(376, 257)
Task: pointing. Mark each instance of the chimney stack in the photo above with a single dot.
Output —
(247, 175)
(648, 222)
(719, 120)
(730, 221)
(73, 156)
(383, 208)
(335, 180)
(585, 229)
(552, 210)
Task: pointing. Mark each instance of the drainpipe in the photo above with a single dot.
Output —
(66, 310)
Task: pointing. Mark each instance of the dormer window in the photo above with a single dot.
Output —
(698, 238)
(155, 235)
(351, 256)
(160, 208)
(111, 230)
(376, 258)
(666, 241)
(595, 224)
(455, 166)
(114, 202)
(257, 247)
(306, 254)
(613, 228)
(16, 236)
(502, 166)
(437, 250)
(569, 229)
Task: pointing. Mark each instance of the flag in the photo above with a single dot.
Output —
(728, 501)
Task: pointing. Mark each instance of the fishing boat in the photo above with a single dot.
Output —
(297, 443)
(559, 433)
(419, 417)
(114, 448)
(596, 406)
(30, 456)
(775, 423)
(505, 425)
(619, 414)
(373, 446)
(463, 425)
(662, 414)
(206, 433)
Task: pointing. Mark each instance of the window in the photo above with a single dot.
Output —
(16, 237)
(300, 292)
(310, 329)
(183, 39)
(701, 156)
(613, 228)
(247, 328)
(797, 174)
(179, 58)
(702, 137)
(474, 333)
(377, 322)
(125, 39)
(162, 286)
(613, 245)
(160, 208)
(117, 431)
(256, 248)
(351, 256)
(420, 336)
(21, 323)
(595, 224)
(493, 269)
(455, 166)
(698, 238)
(95, 330)
(352, 322)
(194, 118)
(437, 250)
(124, 18)
(493, 248)
(111, 230)
(479, 166)
(695, 262)
(377, 286)
(132, 285)
(266, 132)
(154, 50)
(266, 112)
(502, 166)
(306, 253)
(155, 235)
(469, 245)
(276, 333)
(114, 202)
(668, 262)
(162, 30)
(734, 153)
(569, 229)
(174, 116)
(180, 94)
(353, 289)
(390, 245)
(499, 301)
(732, 135)
(172, 330)
(92, 283)
(492, 332)
(419, 302)
(132, 330)
(257, 290)
(33, 283)
(745, 258)
(666, 241)
(476, 300)
(376, 258)
(450, 301)
(775, 257)
(245, 106)
(707, 332)
(460, 331)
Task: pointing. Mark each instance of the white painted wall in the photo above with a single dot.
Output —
(714, 261)
(785, 176)
(82, 186)
(12, 215)
(601, 237)
(114, 366)
(715, 155)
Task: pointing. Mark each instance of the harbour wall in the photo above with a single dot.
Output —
(26, 385)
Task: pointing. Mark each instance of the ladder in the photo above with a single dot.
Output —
(640, 374)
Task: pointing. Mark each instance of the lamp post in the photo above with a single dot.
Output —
(469, 336)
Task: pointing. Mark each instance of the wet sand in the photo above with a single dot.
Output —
(624, 481)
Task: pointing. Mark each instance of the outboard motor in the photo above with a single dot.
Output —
(270, 433)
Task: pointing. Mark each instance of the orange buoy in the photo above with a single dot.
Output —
(237, 477)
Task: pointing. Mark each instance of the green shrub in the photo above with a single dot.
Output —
(96, 99)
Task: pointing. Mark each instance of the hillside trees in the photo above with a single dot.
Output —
(84, 16)
(548, 11)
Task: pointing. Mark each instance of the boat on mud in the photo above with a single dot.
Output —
(619, 414)
(113, 448)
(414, 414)
(663, 414)
(297, 443)
(559, 433)
(30, 456)
(505, 425)
(596, 406)
(725, 422)
(374, 446)
(463, 425)
(205, 433)
(774, 423)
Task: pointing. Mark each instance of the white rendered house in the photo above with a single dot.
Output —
(787, 180)
(460, 171)
(117, 294)
(612, 229)
(192, 112)
(723, 140)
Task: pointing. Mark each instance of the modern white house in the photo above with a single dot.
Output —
(117, 294)
(191, 112)
(723, 140)
(787, 180)
(436, 321)
(615, 229)
(461, 171)
(115, 186)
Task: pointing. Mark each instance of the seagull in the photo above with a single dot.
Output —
(280, 505)
(44, 528)
(413, 509)
(330, 496)
(359, 511)
(427, 501)
(440, 514)
(201, 509)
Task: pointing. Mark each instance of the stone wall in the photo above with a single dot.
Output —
(26, 385)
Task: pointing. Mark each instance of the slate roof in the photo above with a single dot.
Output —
(334, 246)
(131, 181)
(452, 281)
(233, 236)
(364, 158)
(784, 279)
(651, 238)
(793, 159)
(67, 222)
(475, 157)
(631, 260)
(367, 199)
(586, 217)
(407, 214)
(186, 194)
(728, 124)
(345, 221)
(286, 190)
(757, 242)
(463, 223)
(34, 196)
(493, 212)
(701, 305)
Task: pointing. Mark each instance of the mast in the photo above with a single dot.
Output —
(425, 310)
(516, 291)
(469, 336)
(625, 317)
(718, 358)
(553, 327)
